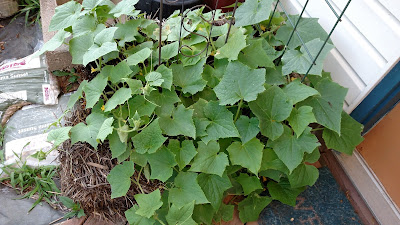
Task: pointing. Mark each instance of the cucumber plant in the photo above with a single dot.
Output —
(215, 118)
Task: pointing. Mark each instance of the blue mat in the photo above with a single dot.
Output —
(324, 203)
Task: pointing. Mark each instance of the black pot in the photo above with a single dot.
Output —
(169, 6)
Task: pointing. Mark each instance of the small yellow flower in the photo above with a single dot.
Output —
(200, 29)
(293, 78)
(103, 108)
(140, 73)
(93, 70)
(212, 53)
(263, 28)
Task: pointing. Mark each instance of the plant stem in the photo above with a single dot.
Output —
(316, 129)
(238, 110)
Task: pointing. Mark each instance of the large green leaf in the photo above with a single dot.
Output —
(149, 139)
(166, 74)
(308, 29)
(154, 79)
(79, 45)
(186, 190)
(141, 105)
(84, 25)
(254, 58)
(203, 214)
(248, 155)
(328, 106)
(303, 175)
(271, 107)
(88, 133)
(221, 122)
(179, 123)
(249, 183)
(148, 203)
(271, 161)
(65, 15)
(56, 41)
(59, 135)
(214, 187)
(119, 98)
(90, 5)
(284, 193)
(135, 219)
(247, 127)
(170, 50)
(253, 12)
(349, 137)
(240, 82)
(138, 57)
(77, 95)
(189, 77)
(299, 61)
(181, 215)
(251, 207)
(297, 92)
(290, 149)
(184, 154)
(117, 147)
(119, 71)
(225, 213)
(161, 163)
(135, 85)
(127, 31)
(209, 160)
(94, 89)
(300, 118)
(96, 51)
(105, 129)
(231, 50)
(165, 101)
(125, 7)
(120, 179)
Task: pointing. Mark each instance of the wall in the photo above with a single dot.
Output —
(367, 42)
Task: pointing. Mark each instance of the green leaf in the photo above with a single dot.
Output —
(88, 133)
(116, 146)
(308, 29)
(313, 156)
(138, 57)
(134, 85)
(328, 107)
(221, 122)
(77, 95)
(248, 155)
(271, 161)
(165, 102)
(65, 15)
(252, 12)
(186, 190)
(179, 123)
(120, 179)
(127, 31)
(161, 163)
(181, 215)
(67, 202)
(166, 74)
(148, 203)
(94, 89)
(300, 118)
(225, 213)
(84, 25)
(149, 139)
(247, 127)
(208, 160)
(274, 76)
(135, 219)
(251, 207)
(125, 7)
(154, 78)
(119, 71)
(214, 187)
(254, 58)
(349, 138)
(284, 193)
(240, 82)
(105, 129)
(59, 135)
(271, 107)
(189, 77)
(231, 50)
(141, 105)
(184, 154)
(291, 149)
(119, 98)
(303, 175)
(203, 214)
(169, 51)
(89, 5)
(249, 183)
(79, 45)
(300, 61)
(96, 51)
(56, 41)
(297, 92)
